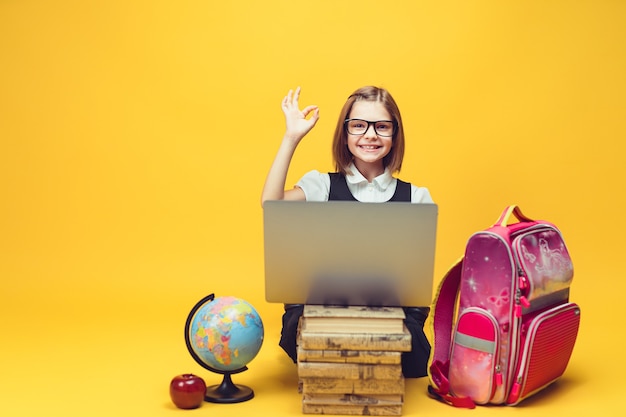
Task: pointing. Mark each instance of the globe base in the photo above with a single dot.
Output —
(228, 392)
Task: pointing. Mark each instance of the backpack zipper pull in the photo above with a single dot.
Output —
(520, 298)
(520, 301)
(523, 281)
(515, 389)
(498, 375)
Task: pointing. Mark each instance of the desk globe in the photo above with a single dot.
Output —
(223, 335)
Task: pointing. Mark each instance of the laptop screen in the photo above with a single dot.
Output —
(349, 253)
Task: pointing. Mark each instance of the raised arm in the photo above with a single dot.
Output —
(298, 124)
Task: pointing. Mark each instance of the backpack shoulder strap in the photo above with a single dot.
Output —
(443, 309)
(442, 323)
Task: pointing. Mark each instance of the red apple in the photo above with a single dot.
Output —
(187, 391)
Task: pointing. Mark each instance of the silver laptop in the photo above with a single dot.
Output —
(349, 253)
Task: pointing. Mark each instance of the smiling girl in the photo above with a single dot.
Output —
(368, 148)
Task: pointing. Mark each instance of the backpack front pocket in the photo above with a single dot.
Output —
(474, 370)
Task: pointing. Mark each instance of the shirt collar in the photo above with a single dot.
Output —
(382, 181)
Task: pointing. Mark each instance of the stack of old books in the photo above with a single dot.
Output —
(349, 360)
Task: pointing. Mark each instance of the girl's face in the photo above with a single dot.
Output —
(369, 148)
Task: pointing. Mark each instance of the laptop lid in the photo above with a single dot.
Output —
(349, 253)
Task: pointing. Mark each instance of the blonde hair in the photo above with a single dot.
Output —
(341, 154)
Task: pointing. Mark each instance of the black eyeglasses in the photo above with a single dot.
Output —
(384, 128)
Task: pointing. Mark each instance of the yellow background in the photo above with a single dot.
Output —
(135, 137)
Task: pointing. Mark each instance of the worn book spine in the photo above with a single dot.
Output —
(352, 410)
(352, 386)
(350, 356)
(353, 312)
(353, 399)
(348, 370)
(400, 342)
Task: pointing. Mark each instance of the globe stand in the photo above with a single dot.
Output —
(227, 392)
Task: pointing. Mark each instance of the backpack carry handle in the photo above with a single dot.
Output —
(503, 220)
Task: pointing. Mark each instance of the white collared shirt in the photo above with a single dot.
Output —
(316, 187)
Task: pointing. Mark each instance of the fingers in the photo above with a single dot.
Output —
(296, 96)
(291, 107)
(316, 115)
(309, 109)
(287, 99)
(291, 99)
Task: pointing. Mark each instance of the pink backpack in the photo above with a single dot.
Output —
(515, 328)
